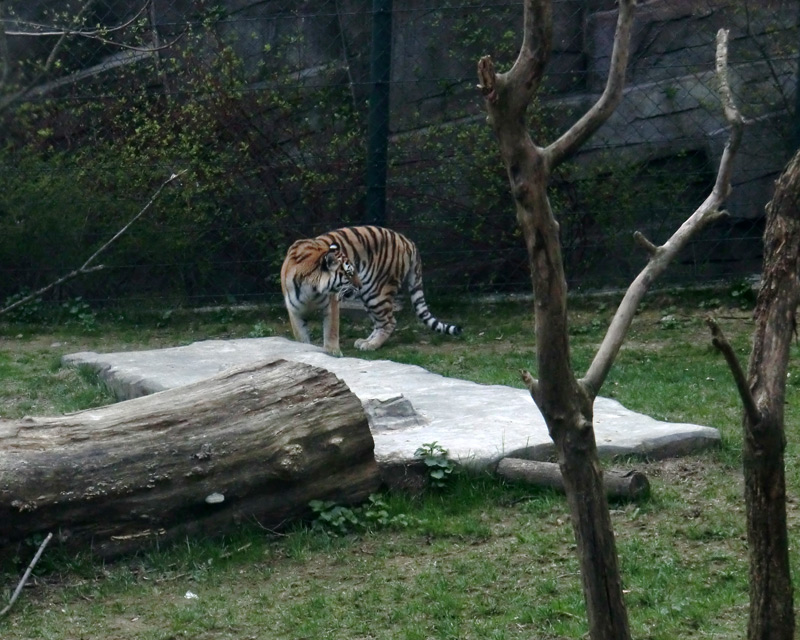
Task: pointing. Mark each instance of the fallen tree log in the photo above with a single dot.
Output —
(630, 485)
(253, 444)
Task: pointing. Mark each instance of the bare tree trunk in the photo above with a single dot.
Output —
(771, 605)
(253, 444)
(566, 403)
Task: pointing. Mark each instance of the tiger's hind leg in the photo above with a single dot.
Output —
(383, 327)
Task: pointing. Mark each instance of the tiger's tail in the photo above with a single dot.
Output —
(420, 306)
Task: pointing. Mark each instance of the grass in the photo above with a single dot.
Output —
(480, 558)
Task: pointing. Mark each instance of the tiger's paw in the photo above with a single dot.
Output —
(365, 345)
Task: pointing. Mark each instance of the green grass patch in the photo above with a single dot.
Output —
(476, 559)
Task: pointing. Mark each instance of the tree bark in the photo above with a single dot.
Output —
(628, 485)
(253, 444)
(771, 604)
(564, 403)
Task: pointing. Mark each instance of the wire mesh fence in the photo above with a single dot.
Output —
(269, 107)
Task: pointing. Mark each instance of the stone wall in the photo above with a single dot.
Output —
(670, 105)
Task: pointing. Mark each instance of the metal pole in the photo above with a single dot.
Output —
(378, 120)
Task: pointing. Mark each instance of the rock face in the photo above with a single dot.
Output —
(407, 406)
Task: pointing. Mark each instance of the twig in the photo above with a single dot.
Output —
(643, 242)
(85, 268)
(724, 347)
(26, 575)
(7, 101)
(48, 31)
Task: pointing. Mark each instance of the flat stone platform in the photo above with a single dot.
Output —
(407, 405)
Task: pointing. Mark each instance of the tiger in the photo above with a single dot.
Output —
(370, 263)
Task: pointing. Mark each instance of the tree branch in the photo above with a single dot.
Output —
(48, 30)
(662, 256)
(724, 347)
(520, 83)
(643, 242)
(528, 69)
(4, 61)
(48, 65)
(722, 186)
(86, 268)
(39, 30)
(579, 132)
(532, 385)
(26, 575)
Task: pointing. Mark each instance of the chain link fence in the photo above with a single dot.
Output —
(270, 109)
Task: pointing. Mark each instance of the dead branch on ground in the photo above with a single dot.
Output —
(26, 575)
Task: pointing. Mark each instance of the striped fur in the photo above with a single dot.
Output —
(384, 261)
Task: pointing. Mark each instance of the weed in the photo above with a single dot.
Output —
(31, 311)
(80, 314)
(669, 321)
(334, 518)
(439, 465)
(743, 293)
(260, 330)
(375, 514)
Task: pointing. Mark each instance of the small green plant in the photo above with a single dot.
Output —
(669, 321)
(80, 313)
(594, 326)
(31, 311)
(164, 318)
(338, 520)
(334, 518)
(439, 465)
(743, 292)
(260, 330)
(377, 513)
(711, 303)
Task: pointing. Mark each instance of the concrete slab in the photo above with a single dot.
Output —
(407, 405)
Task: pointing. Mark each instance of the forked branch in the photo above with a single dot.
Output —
(661, 257)
(534, 54)
(579, 132)
(519, 84)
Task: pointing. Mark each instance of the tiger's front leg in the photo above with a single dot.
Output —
(299, 326)
(330, 326)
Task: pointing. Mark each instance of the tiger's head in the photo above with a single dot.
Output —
(313, 268)
(337, 261)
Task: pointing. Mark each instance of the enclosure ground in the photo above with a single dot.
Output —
(478, 559)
